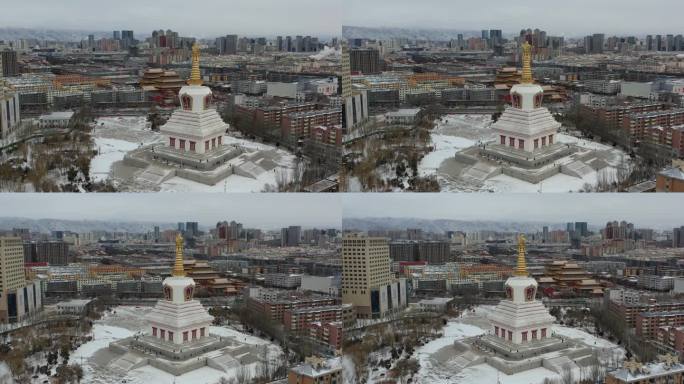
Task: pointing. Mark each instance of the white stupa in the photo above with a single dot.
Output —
(194, 128)
(521, 318)
(178, 318)
(526, 125)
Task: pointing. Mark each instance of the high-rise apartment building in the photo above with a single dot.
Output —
(678, 237)
(8, 63)
(11, 263)
(367, 281)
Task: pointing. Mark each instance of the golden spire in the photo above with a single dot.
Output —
(195, 78)
(521, 268)
(178, 266)
(527, 64)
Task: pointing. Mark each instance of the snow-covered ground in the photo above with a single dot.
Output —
(129, 320)
(456, 132)
(116, 136)
(435, 367)
(452, 133)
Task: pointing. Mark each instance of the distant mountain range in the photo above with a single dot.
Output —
(80, 226)
(444, 225)
(11, 34)
(389, 33)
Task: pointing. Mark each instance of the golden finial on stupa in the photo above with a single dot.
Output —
(521, 268)
(195, 78)
(178, 266)
(527, 64)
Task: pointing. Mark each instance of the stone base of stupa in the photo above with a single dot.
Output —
(528, 160)
(553, 353)
(514, 351)
(223, 354)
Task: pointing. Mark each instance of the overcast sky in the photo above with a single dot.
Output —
(207, 18)
(557, 17)
(255, 210)
(659, 211)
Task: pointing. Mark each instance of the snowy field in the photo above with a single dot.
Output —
(116, 136)
(434, 356)
(456, 132)
(452, 133)
(129, 320)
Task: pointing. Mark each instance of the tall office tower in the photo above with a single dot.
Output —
(367, 281)
(669, 43)
(157, 235)
(581, 227)
(116, 35)
(569, 227)
(127, 39)
(294, 235)
(354, 103)
(231, 46)
(8, 58)
(191, 228)
(299, 43)
(485, 34)
(364, 60)
(279, 43)
(678, 237)
(11, 264)
(288, 44)
(181, 227)
(495, 37)
(545, 234)
(659, 46)
(649, 43)
(91, 41)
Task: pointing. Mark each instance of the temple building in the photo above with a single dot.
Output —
(195, 127)
(195, 146)
(526, 125)
(178, 318)
(521, 318)
(527, 144)
(176, 337)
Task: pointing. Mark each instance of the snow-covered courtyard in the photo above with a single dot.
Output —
(114, 137)
(453, 133)
(440, 365)
(126, 321)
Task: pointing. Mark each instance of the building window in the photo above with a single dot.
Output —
(207, 101)
(521, 143)
(543, 141)
(503, 139)
(206, 145)
(213, 143)
(181, 144)
(511, 141)
(510, 336)
(192, 146)
(496, 330)
(218, 140)
(172, 142)
(516, 100)
(154, 331)
(202, 332)
(170, 336)
(194, 334)
(162, 334)
(543, 333)
(550, 139)
(536, 143)
(524, 336)
(534, 334)
(185, 336)
(187, 102)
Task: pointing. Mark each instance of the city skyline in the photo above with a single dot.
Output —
(559, 19)
(214, 17)
(596, 209)
(265, 211)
